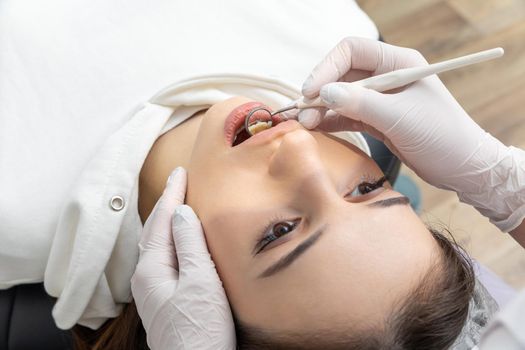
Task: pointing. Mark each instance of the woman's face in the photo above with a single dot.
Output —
(338, 257)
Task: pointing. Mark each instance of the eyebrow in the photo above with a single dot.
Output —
(286, 260)
(385, 203)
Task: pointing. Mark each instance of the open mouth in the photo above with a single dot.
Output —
(234, 129)
(242, 135)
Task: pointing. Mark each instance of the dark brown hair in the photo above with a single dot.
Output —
(124, 332)
(430, 317)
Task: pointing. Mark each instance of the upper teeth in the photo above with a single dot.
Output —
(255, 128)
(259, 126)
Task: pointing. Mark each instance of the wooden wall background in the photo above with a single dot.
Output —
(493, 93)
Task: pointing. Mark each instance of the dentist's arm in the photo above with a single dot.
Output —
(178, 294)
(423, 125)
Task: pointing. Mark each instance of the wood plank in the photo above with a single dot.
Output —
(434, 30)
(386, 11)
(490, 16)
(504, 117)
(489, 81)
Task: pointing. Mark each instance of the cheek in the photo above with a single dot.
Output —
(209, 183)
(398, 245)
(228, 247)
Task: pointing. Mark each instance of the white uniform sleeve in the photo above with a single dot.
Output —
(507, 330)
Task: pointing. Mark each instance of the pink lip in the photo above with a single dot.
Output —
(236, 118)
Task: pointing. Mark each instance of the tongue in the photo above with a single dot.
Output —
(241, 137)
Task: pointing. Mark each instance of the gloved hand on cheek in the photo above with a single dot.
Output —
(176, 288)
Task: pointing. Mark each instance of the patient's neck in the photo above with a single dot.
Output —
(169, 151)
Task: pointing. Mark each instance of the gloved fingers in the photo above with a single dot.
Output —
(154, 277)
(354, 53)
(152, 271)
(350, 53)
(334, 122)
(163, 264)
(355, 75)
(158, 225)
(371, 107)
(189, 239)
(174, 193)
(291, 114)
(311, 117)
(150, 293)
(157, 262)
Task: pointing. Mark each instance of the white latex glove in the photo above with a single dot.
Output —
(422, 124)
(178, 294)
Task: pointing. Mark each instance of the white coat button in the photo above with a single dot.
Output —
(116, 203)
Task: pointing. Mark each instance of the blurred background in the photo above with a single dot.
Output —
(493, 93)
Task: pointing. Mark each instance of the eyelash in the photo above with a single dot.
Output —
(368, 184)
(267, 239)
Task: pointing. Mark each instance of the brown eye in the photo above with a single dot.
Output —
(282, 228)
(367, 187)
(276, 231)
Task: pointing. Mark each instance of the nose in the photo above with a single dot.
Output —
(297, 165)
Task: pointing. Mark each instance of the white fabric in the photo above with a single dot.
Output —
(498, 289)
(507, 331)
(75, 127)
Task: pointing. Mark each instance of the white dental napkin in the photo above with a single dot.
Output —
(76, 125)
